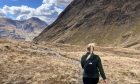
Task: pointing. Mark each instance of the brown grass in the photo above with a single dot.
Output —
(26, 63)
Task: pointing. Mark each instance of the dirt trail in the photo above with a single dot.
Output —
(27, 63)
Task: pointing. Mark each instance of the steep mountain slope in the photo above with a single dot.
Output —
(26, 29)
(106, 22)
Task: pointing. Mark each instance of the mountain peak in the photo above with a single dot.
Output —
(36, 20)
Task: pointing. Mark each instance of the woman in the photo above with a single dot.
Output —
(91, 63)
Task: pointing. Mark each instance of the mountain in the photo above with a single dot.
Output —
(105, 22)
(25, 29)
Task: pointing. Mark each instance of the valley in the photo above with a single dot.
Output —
(33, 52)
(54, 63)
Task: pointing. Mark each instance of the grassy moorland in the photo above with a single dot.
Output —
(26, 63)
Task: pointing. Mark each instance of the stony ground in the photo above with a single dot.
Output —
(28, 63)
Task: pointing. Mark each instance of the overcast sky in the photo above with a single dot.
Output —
(47, 10)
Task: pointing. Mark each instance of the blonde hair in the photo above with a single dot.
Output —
(89, 46)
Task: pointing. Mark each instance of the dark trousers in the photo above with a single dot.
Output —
(90, 80)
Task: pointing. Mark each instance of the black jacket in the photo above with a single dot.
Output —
(98, 69)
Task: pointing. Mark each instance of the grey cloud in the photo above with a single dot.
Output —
(57, 2)
(17, 10)
(2, 14)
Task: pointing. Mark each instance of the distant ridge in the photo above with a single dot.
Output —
(23, 30)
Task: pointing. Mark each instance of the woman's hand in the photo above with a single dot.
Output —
(105, 81)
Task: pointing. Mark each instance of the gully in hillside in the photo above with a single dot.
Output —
(92, 65)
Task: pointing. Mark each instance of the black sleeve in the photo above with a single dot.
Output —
(100, 67)
(82, 61)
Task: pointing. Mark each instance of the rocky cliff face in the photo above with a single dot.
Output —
(25, 30)
(106, 22)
